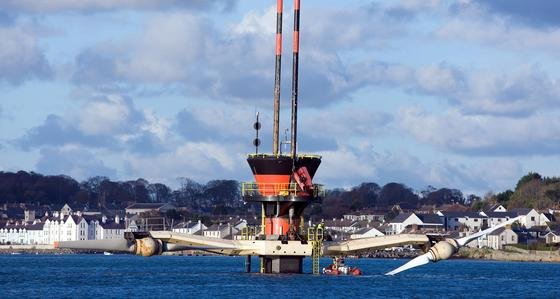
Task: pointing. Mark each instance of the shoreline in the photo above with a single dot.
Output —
(508, 254)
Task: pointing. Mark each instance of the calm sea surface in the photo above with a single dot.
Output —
(124, 276)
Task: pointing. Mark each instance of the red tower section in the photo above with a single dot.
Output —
(285, 188)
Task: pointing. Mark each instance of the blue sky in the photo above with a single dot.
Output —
(460, 94)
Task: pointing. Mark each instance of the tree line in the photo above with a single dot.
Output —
(223, 197)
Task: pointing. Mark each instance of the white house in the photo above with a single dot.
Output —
(369, 216)
(529, 217)
(35, 234)
(553, 237)
(341, 225)
(399, 223)
(138, 208)
(22, 233)
(497, 208)
(501, 237)
(474, 222)
(190, 228)
(110, 229)
(496, 218)
(366, 233)
(221, 231)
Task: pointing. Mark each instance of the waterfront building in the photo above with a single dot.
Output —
(221, 231)
(138, 208)
(501, 237)
(472, 221)
(399, 223)
(529, 217)
(190, 228)
(110, 229)
(366, 233)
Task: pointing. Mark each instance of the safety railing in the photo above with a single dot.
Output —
(283, 155)
(248, 233)
(250, 189)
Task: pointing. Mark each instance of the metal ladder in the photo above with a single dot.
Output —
(315, 236)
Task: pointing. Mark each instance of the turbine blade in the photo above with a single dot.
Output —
(105, 245)
(415, 262)
(463, 241)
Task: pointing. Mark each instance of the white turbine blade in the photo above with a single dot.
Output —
(415, 262)
(463, 241)
(105, 244)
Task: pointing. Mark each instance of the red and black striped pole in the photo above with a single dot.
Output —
(295, 79)
(277, 72)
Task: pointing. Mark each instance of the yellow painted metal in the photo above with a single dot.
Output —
(272, 155)
(301, 225)
(262, 219)
(315, 236)
(262, 264)
(248, 233)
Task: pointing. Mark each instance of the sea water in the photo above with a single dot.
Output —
(126, 276)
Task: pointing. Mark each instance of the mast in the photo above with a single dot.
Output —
(277, 72)
(295, 79)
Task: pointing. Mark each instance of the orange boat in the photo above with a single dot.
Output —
(339, 268)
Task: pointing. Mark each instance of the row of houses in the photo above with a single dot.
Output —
(533, 226)
(49, 230)
(68, 224)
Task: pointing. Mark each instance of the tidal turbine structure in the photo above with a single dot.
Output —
(283, 187)
(283, 182)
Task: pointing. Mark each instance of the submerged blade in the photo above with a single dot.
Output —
(415, 262)
(463, 241)
(105, 245)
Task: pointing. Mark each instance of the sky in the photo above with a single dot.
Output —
(458, 94)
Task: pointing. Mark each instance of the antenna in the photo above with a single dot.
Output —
(285, 142)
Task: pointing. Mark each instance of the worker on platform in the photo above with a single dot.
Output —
(321, 225)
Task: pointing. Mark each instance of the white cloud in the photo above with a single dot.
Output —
(201, 161)
(20, 56)
(106, 116)
(484, 135)
(53, 6)
(348, 165)
(77, 162)
(475, 24)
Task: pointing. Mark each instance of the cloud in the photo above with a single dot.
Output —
(484, 135)
(90, 6)
(485, 23)
(102, 122)
(74, 161)
(56, 131)
(201, 161)
(6, 18)
(21, 58)
(109, 115)
(541, 14)
(343, 125)
(235, 62)
(517, 93)
(349, 164)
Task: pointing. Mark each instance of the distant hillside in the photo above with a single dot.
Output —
(223, 197)
(217, 197)
(531, 191)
